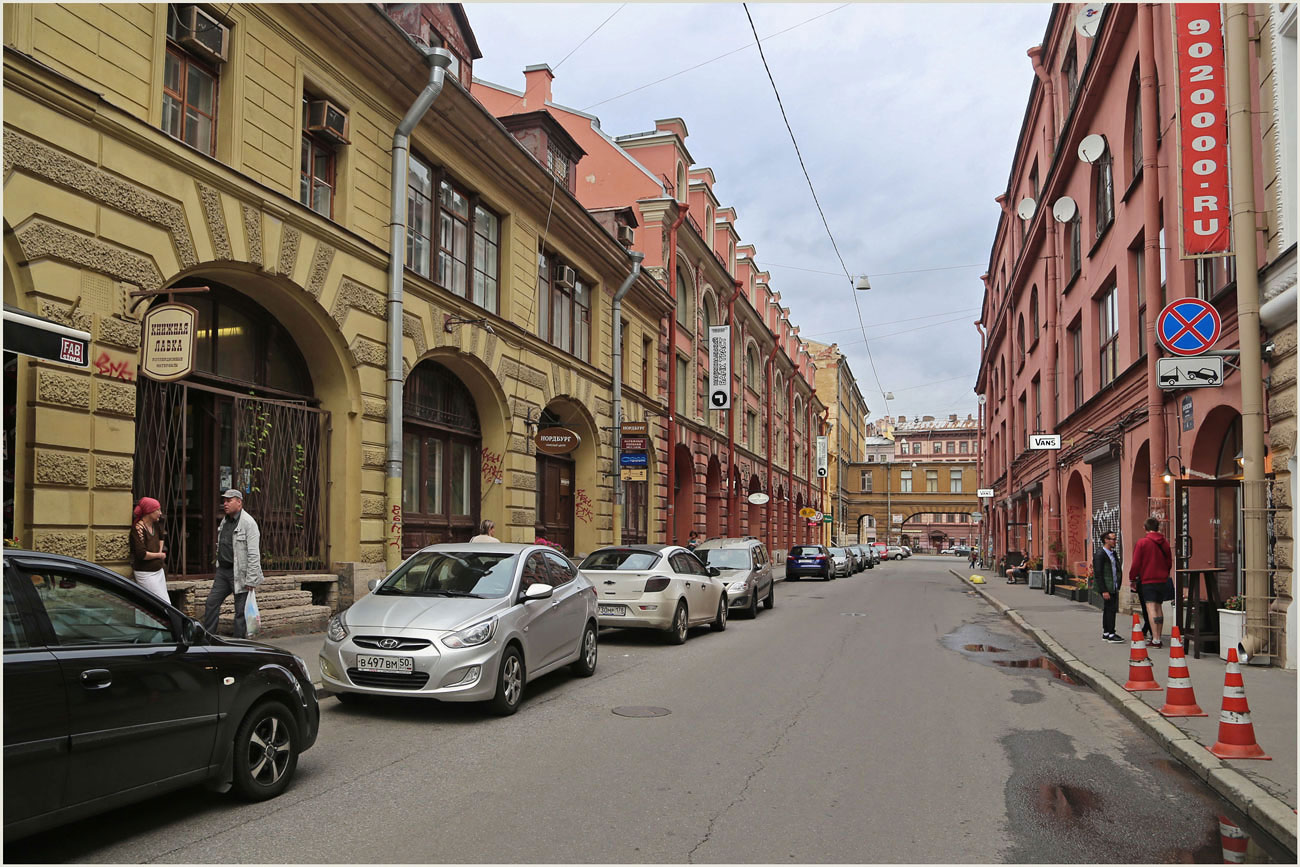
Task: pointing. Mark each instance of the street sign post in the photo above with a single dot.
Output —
(1044, 442)
(1197, 371)
(821, 457)
(719, 367)
(1188, 326)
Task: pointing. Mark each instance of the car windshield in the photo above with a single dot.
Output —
(837, 552)
(452, 573)
(805, 550)
(724, 558)
(620, 560)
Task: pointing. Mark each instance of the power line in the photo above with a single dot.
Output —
(818, 203)
(589, 35)
(882, 274)
(963, 310)
(707, 62)
(936, 382)
(962, 318)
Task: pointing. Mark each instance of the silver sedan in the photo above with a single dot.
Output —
(464, 622)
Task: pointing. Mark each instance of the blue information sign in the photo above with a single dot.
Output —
(633, 459)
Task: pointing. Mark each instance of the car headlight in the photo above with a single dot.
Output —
(335, 629)
(736, 587)
(472, 636)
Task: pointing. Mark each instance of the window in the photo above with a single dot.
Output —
(189, 94)
(316, 174)
(866, 481)
(1038, 404)
(954, 481)
(1033, 180)
(15, 632)
(1076, 245)
(647, 356)
(916, 448)
(1020, 342)
(564, 305)
(952, 447)
(461, 223)
(1022, 419)
(965, 447)
(751, 368)
(683, 376)
(751, 429)
(1140, 280)
(932, 481)
(905, 481)
(871, 459)
(1108, 330)
(1033, 316)
(1104, 178)
(685, 300)
(1070, 69)
(1076, 347)
(1214, 275)
(1135, 125)
(85, 612)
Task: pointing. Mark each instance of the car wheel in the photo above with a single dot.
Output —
(829, 576)
(753, 603)
(266, 751)
(510, 683)
(770, 602)
(719, 623)
(586, 664)
(681, 625)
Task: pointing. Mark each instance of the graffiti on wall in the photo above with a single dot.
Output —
(118, 366)
(395, 526)
(1105, 519)
(491, 463)
(582, 507)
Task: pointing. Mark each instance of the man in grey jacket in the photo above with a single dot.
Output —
(239, 562)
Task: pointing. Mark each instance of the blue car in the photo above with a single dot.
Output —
(813, 561)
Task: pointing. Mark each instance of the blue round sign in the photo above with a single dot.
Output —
(1188, 326)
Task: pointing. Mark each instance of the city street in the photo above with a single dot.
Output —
(861, 720)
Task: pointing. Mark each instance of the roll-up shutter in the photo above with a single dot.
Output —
(1105, 500)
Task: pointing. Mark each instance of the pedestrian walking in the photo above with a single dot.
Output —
(239, 563)
(148, 550)
(973, 555)
(485, 532)
(1107, 578)
(1149, 578)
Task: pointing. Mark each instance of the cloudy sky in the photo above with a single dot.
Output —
(906, 116)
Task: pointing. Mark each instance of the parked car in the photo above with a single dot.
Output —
(960, 550)
(864, 554)
(882, 552)
(113, 696)
(464, 622)
(745, 568)
(874, 554)
(842, 562)
(907, 551)
(809, 561)
(895, 552)
(663, 587)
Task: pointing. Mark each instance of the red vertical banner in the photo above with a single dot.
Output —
(1204, 206)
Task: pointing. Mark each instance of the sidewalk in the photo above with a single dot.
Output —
(1071, 632)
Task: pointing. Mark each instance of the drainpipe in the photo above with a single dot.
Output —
(1052, 489)
(979, 448)
(823, 427)
(789, 451)
(438, 59)
(670, 528)
(1246, 242)
(767, 371)
(617, 328)
(733, 504)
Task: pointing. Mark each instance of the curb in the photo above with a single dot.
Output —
(1270, 813)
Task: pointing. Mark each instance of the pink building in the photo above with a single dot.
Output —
(707, 461)
(1069, 315)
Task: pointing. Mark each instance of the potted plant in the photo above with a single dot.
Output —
(1035, 567)
(1232, 624)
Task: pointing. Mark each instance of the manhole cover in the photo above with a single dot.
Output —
(641, 711)
(851, 614)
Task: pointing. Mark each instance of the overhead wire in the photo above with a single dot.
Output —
(964, 311)
(874, 274)
(875, 374)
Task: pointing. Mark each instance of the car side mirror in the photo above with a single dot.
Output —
(372, 584)
(192, 632)
(713, 571)
(538, 591)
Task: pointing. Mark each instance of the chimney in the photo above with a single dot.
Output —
(952, 417)
(537, 86)
(927, 418)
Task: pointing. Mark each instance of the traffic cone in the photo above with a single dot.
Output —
(1179, 698)
(1140, 676)
(1236, 733)
(1233, 841)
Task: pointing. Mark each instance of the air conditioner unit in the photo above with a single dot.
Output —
(565, 276)
(625, 235)
(201, 33)
(327, 119)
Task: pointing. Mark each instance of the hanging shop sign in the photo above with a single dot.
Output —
(633, 459)
(633, 475)
(1041, 442)
(984, 493)
(167, 335)
(40, 338)
(758, 498)
(719, 367)
(807, 512)
(556, 440)
(635, 428)
(1204, 208)
(634, 444)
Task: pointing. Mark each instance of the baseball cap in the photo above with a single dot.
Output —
(233, 492)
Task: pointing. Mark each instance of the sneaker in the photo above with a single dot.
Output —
(1113, 638)
(1151, 643)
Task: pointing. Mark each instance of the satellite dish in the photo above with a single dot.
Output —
(1027, 208)
(758, 498)
(1064, 209)
(1089, 19)
(1092, 147)
(981, 399)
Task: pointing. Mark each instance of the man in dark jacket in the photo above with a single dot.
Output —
(1107, 578)
(1149, 577)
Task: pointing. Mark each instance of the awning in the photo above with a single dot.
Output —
(28, 334)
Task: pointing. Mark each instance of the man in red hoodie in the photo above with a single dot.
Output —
(1149, 577)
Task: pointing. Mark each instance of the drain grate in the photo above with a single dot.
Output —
(641, 711)
(851, 614)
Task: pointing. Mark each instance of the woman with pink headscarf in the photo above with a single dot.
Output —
(147, 549)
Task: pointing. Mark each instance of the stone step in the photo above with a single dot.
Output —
(275, 599)
(278, 622)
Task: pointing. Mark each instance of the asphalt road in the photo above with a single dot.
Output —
(890, 716)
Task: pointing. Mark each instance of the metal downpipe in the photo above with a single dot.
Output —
(617, 330)
(438, 59)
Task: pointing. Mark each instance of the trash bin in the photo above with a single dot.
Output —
(1036, 577)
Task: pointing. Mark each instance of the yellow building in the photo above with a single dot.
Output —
(247, 149)
(846, 437)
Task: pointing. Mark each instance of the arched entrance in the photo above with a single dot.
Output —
(566, 483)
(1076, 522)
(755, 512)
(1216, 454)
(441, 443)
(1140, 499)
(713, 498)
(246, 418)
(683, 495)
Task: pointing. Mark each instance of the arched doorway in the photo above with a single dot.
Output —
(566, 483)
(441, 444)
(713, 498)
(1076, 522)
(1217, 454)
(683, 495)
(755, 512)
(1141, 507)
(246, 418)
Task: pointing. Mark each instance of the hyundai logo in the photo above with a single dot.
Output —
(388, 643)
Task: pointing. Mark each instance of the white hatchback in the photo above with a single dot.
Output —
(663, 587)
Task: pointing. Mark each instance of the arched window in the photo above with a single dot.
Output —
(1033, 316)
(682, 190)
(751, 367)
(708, 225)
(685, 299)
(1020, 341)
(1135, 124)
(1103, 181)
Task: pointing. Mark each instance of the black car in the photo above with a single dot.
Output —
(810, 560)
(112, 696)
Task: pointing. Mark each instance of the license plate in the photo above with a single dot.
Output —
(611, 610)
(386, 664)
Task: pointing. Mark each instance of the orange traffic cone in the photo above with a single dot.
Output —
(1236, 733)
(1179, 698)
(1233, 841)
(1140, 676)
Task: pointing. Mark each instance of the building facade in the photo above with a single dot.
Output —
(846, 438)
(1068, 324)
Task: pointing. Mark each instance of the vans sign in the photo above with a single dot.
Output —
(1039, 442)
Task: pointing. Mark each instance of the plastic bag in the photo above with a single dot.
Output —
(252, 617)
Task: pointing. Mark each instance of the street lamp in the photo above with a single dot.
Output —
(862, 284)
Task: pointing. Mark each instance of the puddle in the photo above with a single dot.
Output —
(1042, 662)
(989, 648)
